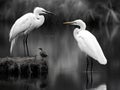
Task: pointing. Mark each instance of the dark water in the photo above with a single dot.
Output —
(67, 64)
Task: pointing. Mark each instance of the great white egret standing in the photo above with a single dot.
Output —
(25, 24)
(87, 42)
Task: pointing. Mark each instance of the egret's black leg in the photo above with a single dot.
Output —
(91, 72)
(87, 68)
(27, 45)
(24, 45)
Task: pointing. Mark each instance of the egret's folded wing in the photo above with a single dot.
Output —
(20, 26)
(91, 47)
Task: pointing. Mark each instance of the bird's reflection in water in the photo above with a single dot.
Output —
(63, 82)
(100, 87)
(99, 77)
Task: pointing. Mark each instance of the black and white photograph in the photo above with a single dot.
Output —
(59, 45)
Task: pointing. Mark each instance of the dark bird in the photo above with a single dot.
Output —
(43, 53)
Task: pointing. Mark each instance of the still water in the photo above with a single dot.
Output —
(67, 64)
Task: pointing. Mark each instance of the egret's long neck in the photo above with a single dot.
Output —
(39, 20)
(35, 12)
(82, 25)
(77, 30)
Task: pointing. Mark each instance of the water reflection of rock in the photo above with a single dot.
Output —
(24, 84)
(25, 68)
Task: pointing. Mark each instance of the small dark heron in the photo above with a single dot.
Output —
(43, 53)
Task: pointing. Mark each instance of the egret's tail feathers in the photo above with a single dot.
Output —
(101, 57)
(12, 45)
(103, 61)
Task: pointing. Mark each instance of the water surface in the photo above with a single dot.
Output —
(67, 64)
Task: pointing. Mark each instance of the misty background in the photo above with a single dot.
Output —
(103, 20)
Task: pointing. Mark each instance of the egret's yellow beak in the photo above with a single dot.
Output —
(68, 23)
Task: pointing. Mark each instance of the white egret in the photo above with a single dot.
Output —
(87, 42)
(25, 24)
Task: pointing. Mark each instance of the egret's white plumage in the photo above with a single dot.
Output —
(26, 24)
(87, 42)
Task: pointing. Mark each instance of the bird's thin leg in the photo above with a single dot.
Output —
(91, 72)
(24, 45)
(87, 66)
(27, 45)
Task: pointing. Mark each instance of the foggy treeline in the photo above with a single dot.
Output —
(64, 9)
